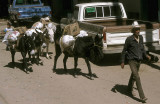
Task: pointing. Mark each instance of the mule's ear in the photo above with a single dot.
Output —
(45, 32)
(46, 26)
(36, 31)
(98, 38)
(34, 34)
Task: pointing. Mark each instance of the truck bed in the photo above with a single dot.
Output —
(123, 24)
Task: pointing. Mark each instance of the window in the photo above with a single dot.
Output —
(19, 2)
(90, 12)
(99, 11)
(106, 11)
(26, 2)
(103, 11)
(116, 11)
(32, 1)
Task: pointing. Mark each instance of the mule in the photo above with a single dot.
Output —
(25, 45)
(49, 29)
(85, 47)
(38, 39)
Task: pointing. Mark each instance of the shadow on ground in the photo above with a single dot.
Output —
(61, 71)
(153, 65)
(110, 60)
(18, 65)
(123, 90)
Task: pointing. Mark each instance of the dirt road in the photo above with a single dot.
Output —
(42, 86)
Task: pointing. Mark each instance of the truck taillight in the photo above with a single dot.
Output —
(50, 12)
(104, 37)
(18, 14)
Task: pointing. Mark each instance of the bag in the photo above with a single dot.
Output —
(21, 30)
(72, 29)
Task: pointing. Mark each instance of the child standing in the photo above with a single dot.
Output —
(7, 29)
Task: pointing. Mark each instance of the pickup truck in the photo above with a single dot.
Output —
(110, 19)
(27, 10)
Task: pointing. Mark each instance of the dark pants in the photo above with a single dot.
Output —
(134, 65)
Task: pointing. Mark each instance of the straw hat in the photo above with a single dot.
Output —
(135, 26)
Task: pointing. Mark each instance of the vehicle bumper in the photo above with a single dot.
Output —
(30, 19)
(118, 49)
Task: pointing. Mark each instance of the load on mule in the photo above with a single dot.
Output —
(85, 47)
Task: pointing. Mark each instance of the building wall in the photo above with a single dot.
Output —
(142, 9)
(132, 7)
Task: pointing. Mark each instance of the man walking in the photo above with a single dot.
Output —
(134, 52)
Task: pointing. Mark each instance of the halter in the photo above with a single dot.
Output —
(97, 45)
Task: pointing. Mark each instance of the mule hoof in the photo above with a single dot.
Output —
(27, 72)
(75, 76)
(30, 69)
(91, 78)
(54, 70)
(50, 57)
(47, 57)
(41, 63)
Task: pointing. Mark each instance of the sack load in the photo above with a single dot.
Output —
(45, 20)
(66, 42)
(37, 25)
(11, 37)
(21, 30)
(82, 34)
(72, 29)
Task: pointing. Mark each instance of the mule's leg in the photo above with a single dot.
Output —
(24, 62)
(55, 61)
(64, 62)
(47, 56)
(75, 65)
(29, 57)
(38, 54)
(89, 67)
(13, 54)
(58, 53)
(42, 51)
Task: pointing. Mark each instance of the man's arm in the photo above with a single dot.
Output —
(125, 48)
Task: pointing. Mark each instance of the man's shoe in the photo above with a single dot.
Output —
(144, 100)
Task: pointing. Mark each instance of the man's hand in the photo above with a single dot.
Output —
(122, 65)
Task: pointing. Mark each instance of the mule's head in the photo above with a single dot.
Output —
(38, 38)
(50, 31)
(96, 51)
(29, 44)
